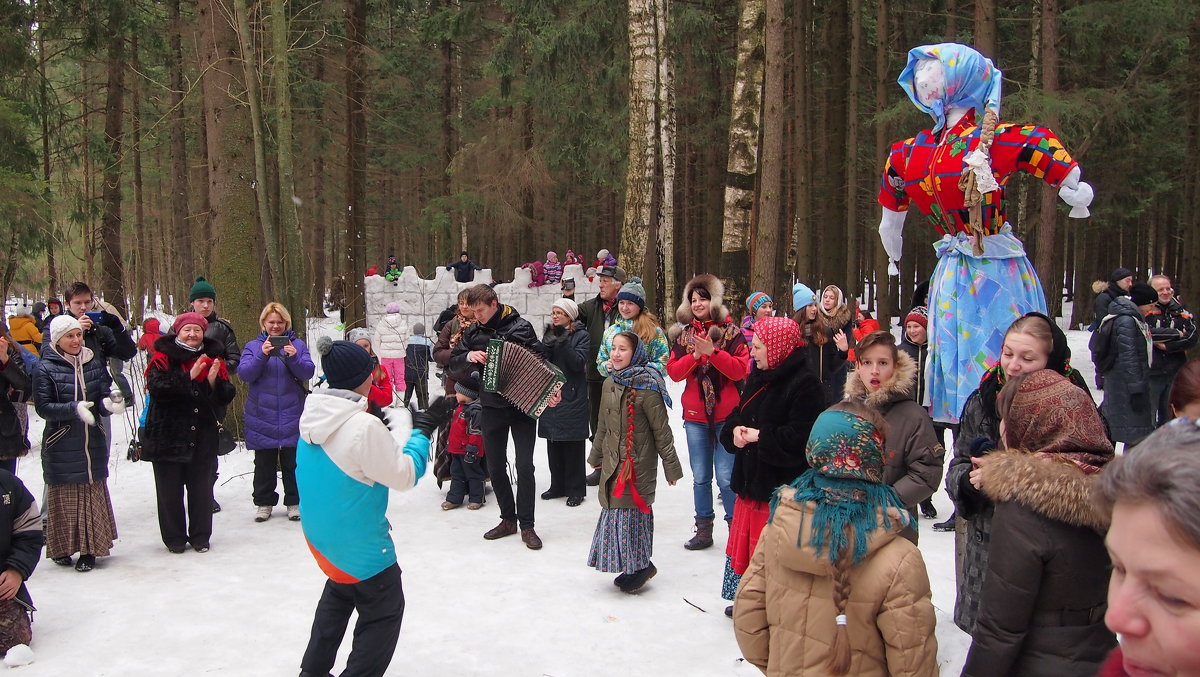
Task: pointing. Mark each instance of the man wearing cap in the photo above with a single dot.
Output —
(346, 461)
(464, 268)
(1173, 329)
(596, 314)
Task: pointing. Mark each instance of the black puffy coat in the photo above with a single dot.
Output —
(782, 403)
(569, 352)
(14, 376)
(21, 536)
(72, 452)
(1100, 304)
(1126, 404)
(1175, 327)
(181, 423)
(506, 324)
(920, 356)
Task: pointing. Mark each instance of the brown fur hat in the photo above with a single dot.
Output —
(716, 291)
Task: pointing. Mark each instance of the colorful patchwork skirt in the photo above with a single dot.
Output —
(972, 302)
(624, 540)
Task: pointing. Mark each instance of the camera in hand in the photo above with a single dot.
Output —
(279, 342)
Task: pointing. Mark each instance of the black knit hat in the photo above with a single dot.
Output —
(468, 386)
(1142, 294)
(346, 364)
(1120, 274)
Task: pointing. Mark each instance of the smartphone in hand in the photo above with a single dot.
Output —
(279, 342)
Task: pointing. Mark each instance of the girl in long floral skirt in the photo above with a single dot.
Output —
(633, 433)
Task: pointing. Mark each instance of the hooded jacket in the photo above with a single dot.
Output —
(914, 452)
(1126, 405)
(390, 337)
(25, 332)
(782, 403)
(151, 330)
(1042, 605)
(277, 391)
(506, 324)
(72, 451)
(346, 460)
(1112, 292)
(726, 367)
(181, 422)
(783, 617)
(222, 332)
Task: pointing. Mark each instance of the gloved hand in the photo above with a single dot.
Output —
(1139, 402)
(84, 411)
(435, 416)
(472, 454)
(115, 402)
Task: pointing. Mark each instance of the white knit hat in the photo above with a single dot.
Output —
(59, 327)
(569, 307)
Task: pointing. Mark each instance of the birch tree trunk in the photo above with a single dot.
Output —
(665, 289)
(763, 275)
(742, 166)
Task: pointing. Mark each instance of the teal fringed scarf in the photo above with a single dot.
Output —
(842, 503)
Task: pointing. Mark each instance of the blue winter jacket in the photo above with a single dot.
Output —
(72, 453)
(276, 396)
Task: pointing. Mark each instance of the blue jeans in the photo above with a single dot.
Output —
(705, 453)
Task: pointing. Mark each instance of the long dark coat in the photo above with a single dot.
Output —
(181, 422)
(782, 403)
(569, 352)
(1126, 405)
(72, 451)
(15, 376)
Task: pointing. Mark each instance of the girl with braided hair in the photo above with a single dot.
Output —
(833, 588)
(632, 434)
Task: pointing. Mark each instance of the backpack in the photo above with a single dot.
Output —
(1103, 354)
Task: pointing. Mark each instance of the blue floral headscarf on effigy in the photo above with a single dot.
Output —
(972, 81)
(845, 484)
(639, 374)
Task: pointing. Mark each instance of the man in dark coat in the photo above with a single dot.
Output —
(203, 297)
(1173, 329)
(103, 332)
(1122, 355)
(1119, 284)
(494, 320)
(464, 268)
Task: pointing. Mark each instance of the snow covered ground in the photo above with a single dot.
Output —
(474, 607)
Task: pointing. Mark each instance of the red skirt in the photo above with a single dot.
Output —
(749, 519)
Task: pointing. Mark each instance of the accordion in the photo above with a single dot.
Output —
(520, 376)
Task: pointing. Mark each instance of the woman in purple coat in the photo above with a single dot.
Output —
(276, 365)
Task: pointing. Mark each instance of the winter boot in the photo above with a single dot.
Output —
(262, 513)
(504, 528)
(948, 525)
(927, 510)
(293, 513)
(703, 538)
(593, 478)
(638, 579)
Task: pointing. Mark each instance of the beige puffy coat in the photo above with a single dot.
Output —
(784, 616)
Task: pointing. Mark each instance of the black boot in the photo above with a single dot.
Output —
(638, 579)
(927, 510)
(86, 563)
(948, 525)
(593, 478)
(703, 538)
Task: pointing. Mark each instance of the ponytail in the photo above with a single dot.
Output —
(839, 651)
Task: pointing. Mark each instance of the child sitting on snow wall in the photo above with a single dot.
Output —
(465, 447)
(632, 433)
(604, 258)
(855, 592)
(536, 272)
(552, 269)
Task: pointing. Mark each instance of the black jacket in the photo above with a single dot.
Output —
(828, 364)
(506, 324)
(108, 338)
(1126, 404)
(21, 537)
(782, 403)
(72, 452)
(1104, 299)
(1174, 326)
(919, 355)
(464, 271)
(569, 352)
(222, 332)
(181, 422)
(14, 443)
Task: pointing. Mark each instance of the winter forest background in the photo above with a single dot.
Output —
(143, 143)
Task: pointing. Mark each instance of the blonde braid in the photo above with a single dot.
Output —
(839, 651)
(972, 198)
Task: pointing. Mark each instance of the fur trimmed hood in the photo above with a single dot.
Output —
(839, 317)
(898, 387)
(1053, 487)
(716, 290)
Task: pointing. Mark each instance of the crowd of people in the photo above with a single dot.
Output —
(814, 428)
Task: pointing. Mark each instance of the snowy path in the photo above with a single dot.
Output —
(474, 607)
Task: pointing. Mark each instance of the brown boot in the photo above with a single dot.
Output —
(504, 528)
(530, 537)
(703, 538)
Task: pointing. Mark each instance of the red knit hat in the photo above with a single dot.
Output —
(920, 315)
(189, 318)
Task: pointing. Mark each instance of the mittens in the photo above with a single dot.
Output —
(115, 402)
(84, 411)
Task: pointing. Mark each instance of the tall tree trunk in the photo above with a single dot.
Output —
(883, 289)
(852, 226)
(1048, 256)
(951, 9)
(293, 268)
(985, 27)
(356, 163)
(742, 164)
(833, 240)
(763, 275)
(112, 264)
(267, 221)
(141, 238)
(185, 268)
(643, 139)
(52, 282)
(803, 140)
(665, 113)
(232, 216)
